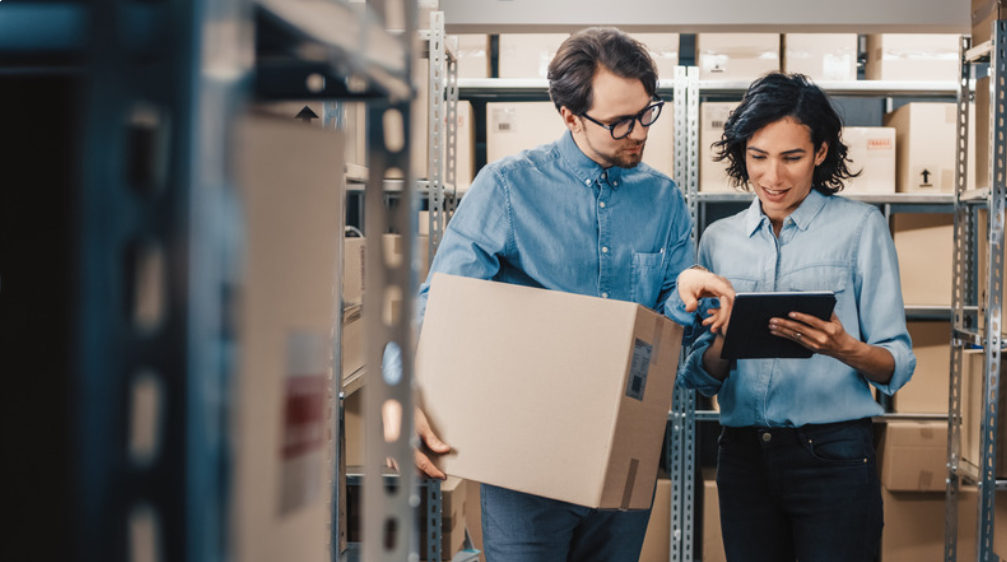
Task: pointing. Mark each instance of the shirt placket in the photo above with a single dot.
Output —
(603, 198)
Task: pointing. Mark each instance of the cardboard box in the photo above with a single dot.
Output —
(925, 245)
(421, 258)
(872, 151)
(353, 270)
(353, 352)
(913, 456)
(663, 48)
(575, 389)
(713, 174)
(821, 56)
(527, 55)
(353, 430)
(737, 56)
(925, 141)
(515, 126)
(912, 56)
(927, 392)
(657, 541)
(473, 52)
(465, 147)
(473, 516)
(914, 526)
(289, 179)
(713, 538)
(972, 398)
(454, 502)
(984, 13)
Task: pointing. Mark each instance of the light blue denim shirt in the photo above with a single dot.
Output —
(553, 218)
(828, 243)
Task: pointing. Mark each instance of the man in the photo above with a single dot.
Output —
(583, 215)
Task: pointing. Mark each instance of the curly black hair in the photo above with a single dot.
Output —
(771, 98)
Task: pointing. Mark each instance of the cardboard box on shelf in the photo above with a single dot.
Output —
(473, 54)
(984, 14)
(912, 56)
(527, 55)
(353, 429)
(927, 392)
(712, 174)
(657, 541)
(737, 56)
(821, 56)
(925, 141)
(713, 538)
(913, 456)
(872, 152)
(353, 270)
(925, 245)
(663, 48)
(465, 147)
(473, 516)
(354, 354)
(914, 525)
(454, 504)
(394, 249)
(515, 126)
(972, 398)
(280, 507)
(517, 349)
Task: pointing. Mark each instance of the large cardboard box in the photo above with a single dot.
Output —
(913, 456)
(925, 141)
(713, 174)
(713, 538)
(927, 392)
(657, 541)
(573, 389)
(984, 13)
(737, 56)
(821, 56)
(872, 151)
(289, 178)
(925, 245)
(912, 56)
(527, 55)
(473, 516)
(972, 398)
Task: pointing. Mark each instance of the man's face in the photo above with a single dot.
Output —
(614, 98)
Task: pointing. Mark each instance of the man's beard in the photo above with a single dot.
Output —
(622, 159)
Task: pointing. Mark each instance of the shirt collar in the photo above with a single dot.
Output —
(587, 171)
(802, 216)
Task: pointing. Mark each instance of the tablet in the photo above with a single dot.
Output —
(748, 334)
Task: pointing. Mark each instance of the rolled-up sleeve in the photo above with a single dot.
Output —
(879, 300)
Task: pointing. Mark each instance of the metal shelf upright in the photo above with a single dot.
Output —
(968, 283)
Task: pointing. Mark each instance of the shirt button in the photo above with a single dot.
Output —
(604, 175)
(602, 204)
(604, 295)
(615, 183)
(587, 182)
(767, 437)
(604, 249)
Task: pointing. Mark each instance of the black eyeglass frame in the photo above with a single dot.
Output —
(632, 120)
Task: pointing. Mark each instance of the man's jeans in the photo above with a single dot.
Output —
(520, 527)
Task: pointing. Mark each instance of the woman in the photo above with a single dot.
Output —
(796, 469)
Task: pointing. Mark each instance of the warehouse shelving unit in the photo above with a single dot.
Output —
(977, 323)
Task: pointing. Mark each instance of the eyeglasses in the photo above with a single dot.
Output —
(623, 127)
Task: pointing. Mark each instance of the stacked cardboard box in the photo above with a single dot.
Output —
(527, 55)
(713, 538)
(972, 401)
(984, 14)
(713, 174)
(872, 151)
(913, 456)
(737, 56)
(927, 392)
(912, 56)
(925, 245)
(821, 56)
(925, 141)
(454, 504)
(657, 541)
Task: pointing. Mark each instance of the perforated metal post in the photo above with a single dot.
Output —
(438, 122)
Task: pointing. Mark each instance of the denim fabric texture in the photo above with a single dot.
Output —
(828, 244)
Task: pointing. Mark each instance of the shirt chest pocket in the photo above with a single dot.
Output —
(821, 277)
(647, 277)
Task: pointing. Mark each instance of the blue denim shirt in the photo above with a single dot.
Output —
(551, 217)
(828, 243)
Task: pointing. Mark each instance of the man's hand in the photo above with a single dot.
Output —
(695, 284)
(432, 442)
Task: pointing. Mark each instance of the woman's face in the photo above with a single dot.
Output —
(781, 163)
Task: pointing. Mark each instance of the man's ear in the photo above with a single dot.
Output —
(570, 120)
